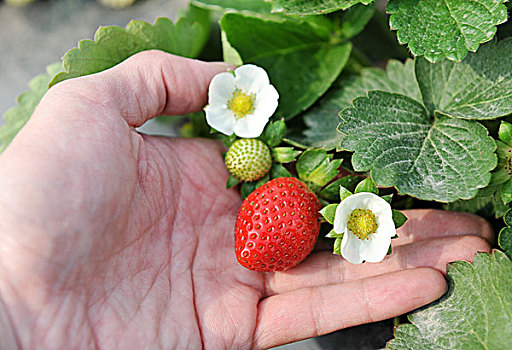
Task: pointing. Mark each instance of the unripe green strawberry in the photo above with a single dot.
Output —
(277, 225)
(248, 159)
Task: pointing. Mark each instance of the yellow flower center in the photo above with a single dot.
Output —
(362, 223)
(241, 104)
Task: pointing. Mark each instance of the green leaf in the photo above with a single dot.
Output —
(388, 198)
(337, 245)
(344, 193)
(295, 143)
(480, 87)
(331, 192)
(238, 5)
(505, 240)
(507, 217)
(505, 236)
(229, 54)
(331, 234)
(301, 56)
(440, 159)
(314, 165)
(284, 154)
(274, 133)
(232, 181)
(506, 192)
(367, 185)
(16, 117)
(329, 212)
(248, 187)
(448, 28)
(310, 160)
(501, 173)
(279, 171)
(322, 120)
(113, 44)
(354, 20)
(227, 140)
(505, 133)
(487, 203)
(398, 218)
(316, 7)
(475, 313)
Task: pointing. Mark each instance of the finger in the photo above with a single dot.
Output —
(319, 310)
(146, 85)
(324, 268)
(428, 224)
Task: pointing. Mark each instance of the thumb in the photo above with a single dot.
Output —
(149, 84)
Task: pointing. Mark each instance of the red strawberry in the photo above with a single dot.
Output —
(277, 225)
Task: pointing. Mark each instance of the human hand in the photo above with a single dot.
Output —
(112, 239)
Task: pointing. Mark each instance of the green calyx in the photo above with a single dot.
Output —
(248, 159)
(503, 171)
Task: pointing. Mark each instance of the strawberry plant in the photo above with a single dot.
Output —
(362, 107)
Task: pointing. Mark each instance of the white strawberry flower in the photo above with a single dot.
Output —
(241, 101)
(366, 222)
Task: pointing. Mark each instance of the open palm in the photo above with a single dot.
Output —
(116, 240)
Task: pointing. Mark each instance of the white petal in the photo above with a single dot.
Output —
(351, 248)
(376, 248)
(363, 199)
(221, 89)
(341, 215)
(386, 226)
(384, 216)
(251, 125)
(266, 101)
(250, 78)
(220, 118)
(379, 206)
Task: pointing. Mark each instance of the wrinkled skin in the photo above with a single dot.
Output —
(115, 240)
